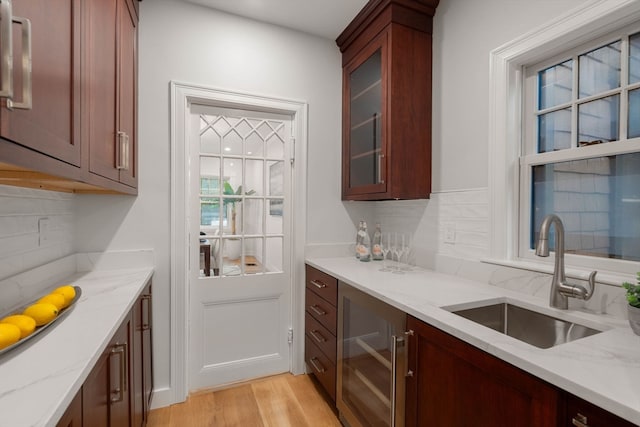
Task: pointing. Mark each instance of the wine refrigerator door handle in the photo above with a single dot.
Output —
(396, 341)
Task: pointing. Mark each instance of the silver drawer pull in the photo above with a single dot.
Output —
(117, 393)
(320, 368)
(317, 311)
(579, 420)
(6, 48)
(318, 284)
(26, 103)
(317, 336)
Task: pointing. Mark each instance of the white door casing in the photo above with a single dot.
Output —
(183, 98)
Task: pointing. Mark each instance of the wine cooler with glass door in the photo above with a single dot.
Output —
(372, 360)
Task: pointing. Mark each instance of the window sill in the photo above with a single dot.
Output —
(604, 277)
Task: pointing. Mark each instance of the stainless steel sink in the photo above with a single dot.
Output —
(526, 325)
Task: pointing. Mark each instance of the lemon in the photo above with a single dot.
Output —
(26, 324)
(68, 291)
(41, 312)
(9, 334)
(56, 299)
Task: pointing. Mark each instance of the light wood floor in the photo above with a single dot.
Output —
(278, 401)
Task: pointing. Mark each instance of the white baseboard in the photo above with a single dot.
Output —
(162, 397)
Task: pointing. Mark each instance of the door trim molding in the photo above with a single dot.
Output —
(183, 95)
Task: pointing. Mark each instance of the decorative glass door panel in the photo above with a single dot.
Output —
(242, 169)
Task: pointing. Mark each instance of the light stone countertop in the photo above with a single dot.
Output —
(39, 379)
(603, 369)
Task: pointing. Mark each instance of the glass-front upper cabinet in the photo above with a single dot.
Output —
(386, 101)
(364, 147)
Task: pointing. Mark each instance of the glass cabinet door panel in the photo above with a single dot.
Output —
(365, 137)
(366, 373)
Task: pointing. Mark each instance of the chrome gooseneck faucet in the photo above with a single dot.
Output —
(561, 290)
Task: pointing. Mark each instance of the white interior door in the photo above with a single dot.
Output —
(240, 253)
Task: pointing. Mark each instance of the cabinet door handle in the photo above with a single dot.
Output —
(26, 103)
(317, 311)
(318, 284)
(121, 149)
(314, 361)
(117, 394)
(146, 320)
(380, 176)
(317, 336)
(409, 372)
(579, 420)
(6, 44)
(126, 151)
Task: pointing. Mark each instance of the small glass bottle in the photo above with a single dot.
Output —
(359, 239)
(376, 248)
(365, 246)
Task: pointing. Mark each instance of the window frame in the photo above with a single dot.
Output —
(508, 63)
(530, 157)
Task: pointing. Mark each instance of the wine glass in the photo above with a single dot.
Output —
(397, 250)
(385, 244)
(407, 253)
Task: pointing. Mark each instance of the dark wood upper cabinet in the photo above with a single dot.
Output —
(386, 103)
(127, 89)
(80, 132)
(52, 124)
(110, 97)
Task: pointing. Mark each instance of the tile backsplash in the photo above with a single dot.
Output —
(450, 234)
(26, 241)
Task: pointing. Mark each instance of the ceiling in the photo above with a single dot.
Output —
(324, 18)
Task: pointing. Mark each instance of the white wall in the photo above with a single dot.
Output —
(191, 44)
(464, 33)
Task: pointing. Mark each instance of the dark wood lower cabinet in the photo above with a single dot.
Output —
(105, 393)
(73, 415)
(142, 359)
(456, 384)
(117, 392)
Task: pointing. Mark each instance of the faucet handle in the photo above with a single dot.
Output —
(579, 291)
(592, 285)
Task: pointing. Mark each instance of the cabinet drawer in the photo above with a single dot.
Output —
(322, 284)
(321, 337)
(322, 311)
(321, 367)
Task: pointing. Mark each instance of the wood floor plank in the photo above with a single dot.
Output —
(278, 401)
(278, 404)
(236, 407)
(160, 417)
(202, 410)
(316, 410)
